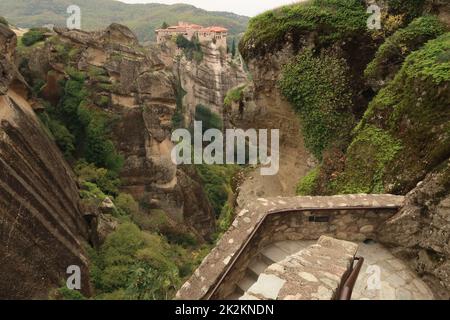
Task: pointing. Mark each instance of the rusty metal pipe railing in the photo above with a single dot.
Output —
(349, 284)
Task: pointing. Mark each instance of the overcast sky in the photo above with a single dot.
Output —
(243, 7)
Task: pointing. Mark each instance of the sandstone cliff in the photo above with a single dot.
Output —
(204, 82)
(264, 107)
(133, 86)
(42, 228)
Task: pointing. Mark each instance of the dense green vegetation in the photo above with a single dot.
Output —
(234, 95)
(80, 129)
(4, 21)
(133, 264)
(307, 185)
(331, 19)
(33, 36)
(406, 130)
(367, 159)
(218, 185)
(143, 19)
(192, 49)
(209, 119)
(318, 88)
(396, 48)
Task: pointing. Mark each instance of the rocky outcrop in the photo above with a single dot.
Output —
(264, 107)
(134, 86)
(206, 82)
(42, 228)
(420, 232)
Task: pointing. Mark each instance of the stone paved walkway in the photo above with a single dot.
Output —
(398, 282)
(383, 277)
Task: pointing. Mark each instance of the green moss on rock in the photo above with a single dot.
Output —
(368, 157)
(332, 19)
(308, 184)
(396, 48)
(413, 110)
(318, 88)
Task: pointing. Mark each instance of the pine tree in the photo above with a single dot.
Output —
(233, 49)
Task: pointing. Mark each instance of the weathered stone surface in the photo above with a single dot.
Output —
(42, 229)
(420, 232)
(314, 273)
(207, 82)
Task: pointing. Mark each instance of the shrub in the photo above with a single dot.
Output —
(209, 119)
(307, 185)
(63, 138)
(126, 205)
(33, 36)
(217, 182)
(318, 87)
(192, 49)
(4, 21)
(106, 180)
(90, 191)
(65, 293)
(134, 264)
(234, 95)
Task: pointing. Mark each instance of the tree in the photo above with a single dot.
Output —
(233, 48)
(165, 25)
(4, 21)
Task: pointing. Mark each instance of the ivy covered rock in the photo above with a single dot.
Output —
(391, 54)
(406, 129)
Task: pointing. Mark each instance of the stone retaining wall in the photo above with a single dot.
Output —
(351, 217)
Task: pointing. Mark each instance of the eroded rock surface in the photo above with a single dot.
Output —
(42, 229)
(420, 232)
(134, 86)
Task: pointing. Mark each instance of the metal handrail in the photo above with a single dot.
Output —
(349, 284)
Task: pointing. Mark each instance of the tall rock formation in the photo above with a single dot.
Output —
(42, 228)
(134, 86)
(204, 82)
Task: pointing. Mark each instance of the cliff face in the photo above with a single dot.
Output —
(42, 229)
(420, 232)
(264, 107)
(135, 87)
(206, 82)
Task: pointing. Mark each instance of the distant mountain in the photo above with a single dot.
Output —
(97, 14)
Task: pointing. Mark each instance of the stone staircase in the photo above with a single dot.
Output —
(397, 281)
(274, 253)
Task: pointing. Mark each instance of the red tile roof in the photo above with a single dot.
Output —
(199, 28)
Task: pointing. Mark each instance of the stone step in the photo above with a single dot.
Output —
(273, 254)
(292, 247)
(245, 284)
(256, 268)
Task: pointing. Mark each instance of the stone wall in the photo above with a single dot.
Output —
(352, 217)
